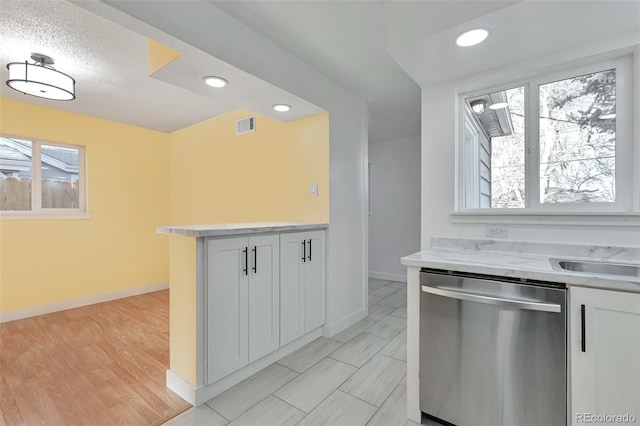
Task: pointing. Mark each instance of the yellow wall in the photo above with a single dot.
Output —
(182, 302)
(217, 176)
(45, 261)
(139, 179)
(160, 55)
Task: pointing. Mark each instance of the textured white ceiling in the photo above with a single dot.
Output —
(109, 64)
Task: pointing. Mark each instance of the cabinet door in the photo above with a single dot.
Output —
(605, 372)
(291, 288)
(264, 296)
(227, 308)
(314, 285)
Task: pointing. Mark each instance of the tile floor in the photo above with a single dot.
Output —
(355, 378)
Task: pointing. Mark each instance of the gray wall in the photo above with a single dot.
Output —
(394, 223)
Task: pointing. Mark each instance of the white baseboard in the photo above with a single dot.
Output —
(331, 330)
(79, 302)
(197, 395)
(388, 277)
(181, 387)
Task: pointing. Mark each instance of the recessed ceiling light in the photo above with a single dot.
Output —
(499, 105)
(282, 107)
(472, 37)
(215, 81)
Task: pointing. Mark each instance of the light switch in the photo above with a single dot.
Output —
(313, 189)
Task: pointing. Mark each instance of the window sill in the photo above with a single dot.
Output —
(614, 219)
(43, 216)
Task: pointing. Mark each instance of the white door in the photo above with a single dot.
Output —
(264, 296)
(605, 359)
(291, 287)
(314, 285)
(227, 280)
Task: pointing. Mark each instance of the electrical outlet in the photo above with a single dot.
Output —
(497, 231)
(313, 189)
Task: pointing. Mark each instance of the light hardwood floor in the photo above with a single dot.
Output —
(102, 364)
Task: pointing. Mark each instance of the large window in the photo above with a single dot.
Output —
(560, 142)
(40, 177)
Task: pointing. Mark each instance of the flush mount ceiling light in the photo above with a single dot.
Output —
(41, 79)
(477, 106)
(215, 81)
(499, 105)
(472, 37)
(282, 107)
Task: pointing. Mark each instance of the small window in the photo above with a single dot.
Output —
(41, 177)
(570, 155)
(494, 146)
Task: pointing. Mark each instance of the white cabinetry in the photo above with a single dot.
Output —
(302, 284)
(605, 354)
(242, 302)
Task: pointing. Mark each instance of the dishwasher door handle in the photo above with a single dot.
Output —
(492, 300)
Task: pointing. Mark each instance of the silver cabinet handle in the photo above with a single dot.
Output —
(491, 300)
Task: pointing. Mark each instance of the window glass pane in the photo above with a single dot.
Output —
(60, 179)
(494, 150)
(577, 139)
(507, 156)
(15, 174)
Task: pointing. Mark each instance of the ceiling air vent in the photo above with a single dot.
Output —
(246, 125)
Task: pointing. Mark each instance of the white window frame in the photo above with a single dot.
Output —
(37, 211)
(624, 147)
(470, 176)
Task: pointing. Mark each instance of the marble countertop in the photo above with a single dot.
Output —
(527, 261)
(220, 229)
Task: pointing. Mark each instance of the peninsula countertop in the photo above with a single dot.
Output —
(221, 229)
(528, 262)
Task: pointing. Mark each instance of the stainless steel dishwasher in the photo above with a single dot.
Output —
(492, 350)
